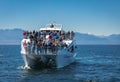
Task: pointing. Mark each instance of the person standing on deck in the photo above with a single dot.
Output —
(39, 47)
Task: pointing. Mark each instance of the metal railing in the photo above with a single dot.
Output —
(43, 50)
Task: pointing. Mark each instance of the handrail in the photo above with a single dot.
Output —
(42, 50)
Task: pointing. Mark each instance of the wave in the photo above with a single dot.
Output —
(1, 55)
(20, 67)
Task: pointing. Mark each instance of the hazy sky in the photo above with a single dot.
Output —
(100, 17)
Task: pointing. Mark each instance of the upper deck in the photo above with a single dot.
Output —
(52, 27)
(49, 39)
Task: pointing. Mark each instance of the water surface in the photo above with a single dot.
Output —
(94, 63)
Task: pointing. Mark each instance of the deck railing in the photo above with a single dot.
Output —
(43, 50)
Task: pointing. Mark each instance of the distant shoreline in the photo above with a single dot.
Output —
(9, 44)
(14, 37)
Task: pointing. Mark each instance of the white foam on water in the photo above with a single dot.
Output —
(20, 67)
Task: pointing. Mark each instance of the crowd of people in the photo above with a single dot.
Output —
(46, 41)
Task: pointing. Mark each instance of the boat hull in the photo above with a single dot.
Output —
(65, 59)
(52, 61)
(37, 61)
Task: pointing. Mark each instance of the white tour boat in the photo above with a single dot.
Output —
(50, 46)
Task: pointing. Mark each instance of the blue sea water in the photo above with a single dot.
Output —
(94, 63)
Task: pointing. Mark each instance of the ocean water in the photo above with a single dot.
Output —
(94, 63)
